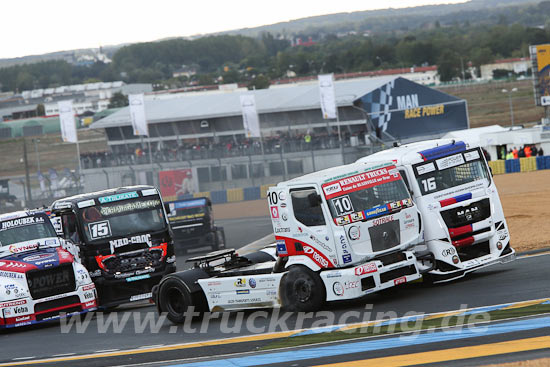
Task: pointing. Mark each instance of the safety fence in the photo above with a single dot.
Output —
(520, 165)
(227, 196)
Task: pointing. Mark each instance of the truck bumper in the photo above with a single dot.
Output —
(363, 279)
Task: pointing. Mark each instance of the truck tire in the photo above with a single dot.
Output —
(220, 239)
(302, 290)
(174, 299)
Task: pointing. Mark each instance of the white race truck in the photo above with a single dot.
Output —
(463, 220)
(39, 280)
(340, 234)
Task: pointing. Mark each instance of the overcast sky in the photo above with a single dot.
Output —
(31, 27)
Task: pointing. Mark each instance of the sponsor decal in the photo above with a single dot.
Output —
(282, 196)
(332, 189)
(118, 197)
(360, 181)
(283, 205)
(366, 269)
(16, 249)
(354, 233)
(89, 304)
(382, 220)
(319, 243)
(274, 212)
(34, 258)
(346, 258)
(128, 207)
(351, 284)
(23, 318)
(401, 280)
(88, 287)
(13, 303)
(281, 247)
(252, 282)
(338, 289)
(472, 155)
(85, 203)
(282, 230)
(9, 274)
(140, 297)
(20, 222)
(319, 259)
(450, 161)
(214, 283)
(144, 238)
(334, 274)
(240, 282)
(138, 277)
(89, 295)
(502, 234)
(448, 252)
(284, 216)
(356, 217)
(243, 291)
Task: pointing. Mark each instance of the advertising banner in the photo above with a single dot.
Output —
(137, 114)
(251, 120)
(66, 121)
(540, 58)
(360, 181)
(405, 109)
(327, 96)
(177, 183)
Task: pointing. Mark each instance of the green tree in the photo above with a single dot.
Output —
(259, 82)
(118, 100)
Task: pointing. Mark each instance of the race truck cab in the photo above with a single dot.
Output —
(452, 185)
(192, 223)
(39, 280)
(340, 234)
(122, 237)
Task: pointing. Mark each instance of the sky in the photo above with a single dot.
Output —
(33, 27)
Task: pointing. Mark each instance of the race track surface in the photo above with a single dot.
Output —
(525, 279)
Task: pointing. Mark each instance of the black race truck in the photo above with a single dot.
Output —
(192, 224)
(122, 237)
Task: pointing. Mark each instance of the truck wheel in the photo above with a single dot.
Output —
(220, 239)
(174, 300)
(302, 290)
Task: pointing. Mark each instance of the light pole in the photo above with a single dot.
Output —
(510, 101)
(36, 141)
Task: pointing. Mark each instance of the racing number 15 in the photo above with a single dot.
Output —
(429, 184)
(99, 229)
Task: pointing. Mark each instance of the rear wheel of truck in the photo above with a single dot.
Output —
(174, 300)
(220, 239)
(302, 290)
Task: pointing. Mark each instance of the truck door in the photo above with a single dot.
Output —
(310, 225)
(71, 234)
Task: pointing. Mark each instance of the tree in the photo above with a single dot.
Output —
(118, 100)
(40, 110)
(259, 82)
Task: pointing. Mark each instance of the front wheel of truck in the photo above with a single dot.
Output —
(302, 290)
(174, 300)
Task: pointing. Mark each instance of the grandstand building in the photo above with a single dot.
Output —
(203, 132)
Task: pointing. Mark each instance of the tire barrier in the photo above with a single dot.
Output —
(520, 165)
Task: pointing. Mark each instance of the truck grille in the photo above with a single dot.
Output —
(464, 215)
(51, 281)
(385, 236)
(131, 262)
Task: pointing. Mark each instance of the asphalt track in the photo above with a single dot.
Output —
(525, 279)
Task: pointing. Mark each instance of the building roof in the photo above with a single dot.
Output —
(473, 136)
(215, 105)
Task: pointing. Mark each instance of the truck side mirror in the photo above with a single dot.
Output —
(314, 200)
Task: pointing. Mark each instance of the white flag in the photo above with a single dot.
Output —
(66, 120)
(137, 114)
(328, 97)
(251, 121)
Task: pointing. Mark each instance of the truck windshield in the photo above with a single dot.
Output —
(366, 195)
(183, 210)
(25, 229)
(370, 198)
(121, 219)
(451, 171)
